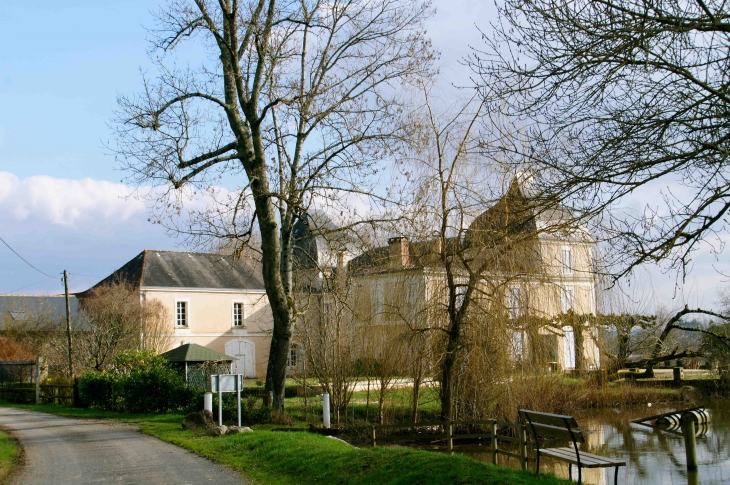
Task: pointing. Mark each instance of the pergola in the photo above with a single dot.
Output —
(198, 356)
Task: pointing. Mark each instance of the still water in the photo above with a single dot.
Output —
(653, 456)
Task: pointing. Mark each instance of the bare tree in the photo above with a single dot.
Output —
(294, 103)
(496, 258)
(615, 96)
(112, 319)
(326, 330)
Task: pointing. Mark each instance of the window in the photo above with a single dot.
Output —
(181, 314)
(412, 293)
(566, 257)
(518, 345)
(567, 299)
(460, 295)
(238, 314)
(292, 356)
(515, 302)
(378, 297)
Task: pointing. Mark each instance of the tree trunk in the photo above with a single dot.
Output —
(416, 393)
(579, 350)
(447, 373)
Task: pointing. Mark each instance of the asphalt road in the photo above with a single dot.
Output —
(73, 451)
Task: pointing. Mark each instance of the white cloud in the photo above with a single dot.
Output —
(65, 202)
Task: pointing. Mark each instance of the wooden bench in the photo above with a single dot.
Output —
(564, 428)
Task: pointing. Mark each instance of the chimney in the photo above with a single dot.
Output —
(398, 252)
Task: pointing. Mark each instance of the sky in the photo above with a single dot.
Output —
(63, 200)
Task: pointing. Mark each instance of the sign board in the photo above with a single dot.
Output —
(221, 383)
(227, 382)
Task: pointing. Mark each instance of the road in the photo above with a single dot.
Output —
(73, 451)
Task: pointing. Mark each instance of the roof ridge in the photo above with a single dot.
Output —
(185, 252)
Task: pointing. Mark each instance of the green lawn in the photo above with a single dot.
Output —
(9, 453)
(280, 457)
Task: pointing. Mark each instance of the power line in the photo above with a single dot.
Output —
(32, 284)
(24, 260)
(88, 275)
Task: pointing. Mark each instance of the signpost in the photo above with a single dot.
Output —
(221, 383)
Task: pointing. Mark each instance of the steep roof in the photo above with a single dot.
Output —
(195, 353)
(319, 242)
(178, 269)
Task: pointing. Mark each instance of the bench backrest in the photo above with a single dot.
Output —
(558, 426)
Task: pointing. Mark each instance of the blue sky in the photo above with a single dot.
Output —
(62, 205)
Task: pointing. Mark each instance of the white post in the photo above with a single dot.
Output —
(239, 385)
(208, 402)
(326, 409)
(220, 406)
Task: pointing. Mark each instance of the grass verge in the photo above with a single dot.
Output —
(9, 455)
(283, 458)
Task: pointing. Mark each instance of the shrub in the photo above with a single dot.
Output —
(97, 389)
(139, 382)
(157, 389)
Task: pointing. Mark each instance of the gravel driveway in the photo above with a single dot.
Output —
(74, 451)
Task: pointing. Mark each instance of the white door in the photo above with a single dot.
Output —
(569, 349)
(243, 351)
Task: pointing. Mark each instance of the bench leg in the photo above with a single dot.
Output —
(537, 463)
(570, 471)
(615, 477)
(580, 475)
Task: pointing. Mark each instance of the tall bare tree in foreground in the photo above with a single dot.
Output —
(290, 104)
(613, 96)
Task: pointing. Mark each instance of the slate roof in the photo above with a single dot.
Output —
(195, 353)
(51, 307)
(178, 269)
(319, 242)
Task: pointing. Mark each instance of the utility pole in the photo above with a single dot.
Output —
(68, 323)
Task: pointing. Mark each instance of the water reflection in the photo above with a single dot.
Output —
(653, 456)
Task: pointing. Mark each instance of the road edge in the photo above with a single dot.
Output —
(18, 463)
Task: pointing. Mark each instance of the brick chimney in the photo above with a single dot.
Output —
(398, 252)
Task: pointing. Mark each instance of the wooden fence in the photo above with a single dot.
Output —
(449, 435)
(46, 394)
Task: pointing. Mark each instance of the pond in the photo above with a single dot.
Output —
(653, 456)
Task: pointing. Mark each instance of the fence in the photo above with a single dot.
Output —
(451, 433)
(46, 394)
(17, 372)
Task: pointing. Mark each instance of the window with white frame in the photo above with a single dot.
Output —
(378, 300)
(567, 260)
(518, 344)
(515, 302)
(292, 361)
(460, 295)
(181, 314)
(238, 314)
(567, 299)
(412, 293)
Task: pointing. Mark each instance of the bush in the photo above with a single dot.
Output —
(96, 389)
(155, 390)
(139, 382)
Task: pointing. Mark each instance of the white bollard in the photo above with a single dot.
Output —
(326, 409)
(208, 402)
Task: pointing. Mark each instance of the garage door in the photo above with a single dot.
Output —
(243, 351)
